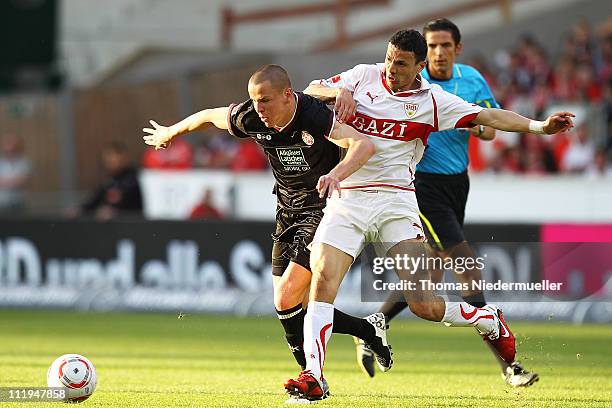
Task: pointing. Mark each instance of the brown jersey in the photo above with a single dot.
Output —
(299, 153)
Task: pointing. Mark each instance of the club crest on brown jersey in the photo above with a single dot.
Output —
(307, 138)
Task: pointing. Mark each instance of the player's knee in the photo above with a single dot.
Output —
(416, 308)
(317, 261)
(284, 303)
(322, 269)
(284, 298)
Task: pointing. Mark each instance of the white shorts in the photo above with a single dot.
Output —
(369, 216)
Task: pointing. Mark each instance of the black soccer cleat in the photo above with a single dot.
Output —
(365, 357)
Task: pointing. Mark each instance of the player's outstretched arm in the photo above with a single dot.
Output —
(344, 104)
(513, 122)
(323, 93)
(161, 136)
(359, 151)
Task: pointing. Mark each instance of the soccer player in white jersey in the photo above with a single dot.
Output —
(397, 109)
(442, 185)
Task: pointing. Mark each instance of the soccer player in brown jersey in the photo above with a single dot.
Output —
(302, 141)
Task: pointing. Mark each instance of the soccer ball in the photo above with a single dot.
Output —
(75, 374)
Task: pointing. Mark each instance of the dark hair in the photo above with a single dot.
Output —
(443, 24)
(277, 75)
(412, 41)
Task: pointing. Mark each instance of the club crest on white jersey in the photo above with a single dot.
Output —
(398, 123)
(411, 109)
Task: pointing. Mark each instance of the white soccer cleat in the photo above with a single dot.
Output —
(379, 345)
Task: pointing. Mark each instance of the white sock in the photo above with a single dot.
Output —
(463, 314)
(318, 324)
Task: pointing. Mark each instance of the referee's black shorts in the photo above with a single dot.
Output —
(442, 199)
(294, 232)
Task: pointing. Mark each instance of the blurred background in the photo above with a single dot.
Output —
(94, 220)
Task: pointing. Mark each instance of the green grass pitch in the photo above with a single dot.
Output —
(159, 360)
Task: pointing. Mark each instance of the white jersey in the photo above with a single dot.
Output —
(398, 124)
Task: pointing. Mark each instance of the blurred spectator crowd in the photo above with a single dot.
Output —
(15, 169)
(528, 79)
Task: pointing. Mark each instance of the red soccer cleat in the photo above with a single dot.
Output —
(307, 386)
(504, 342)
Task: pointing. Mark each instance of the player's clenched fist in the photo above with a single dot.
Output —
(558, 122)
(345, 106)
(160, 136)
(327, 184)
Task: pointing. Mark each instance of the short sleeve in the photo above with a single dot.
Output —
(452, 111)
(237, 118)
(347, 79)
(484, 96)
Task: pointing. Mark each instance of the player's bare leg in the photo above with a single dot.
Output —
(396, 303)
(289, 291)
(423, 303)
(291, 294)
(329, 265)
(512, 372)
(488, 320)
(291, 288)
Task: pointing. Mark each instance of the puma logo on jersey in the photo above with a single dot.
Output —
(371, 97)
